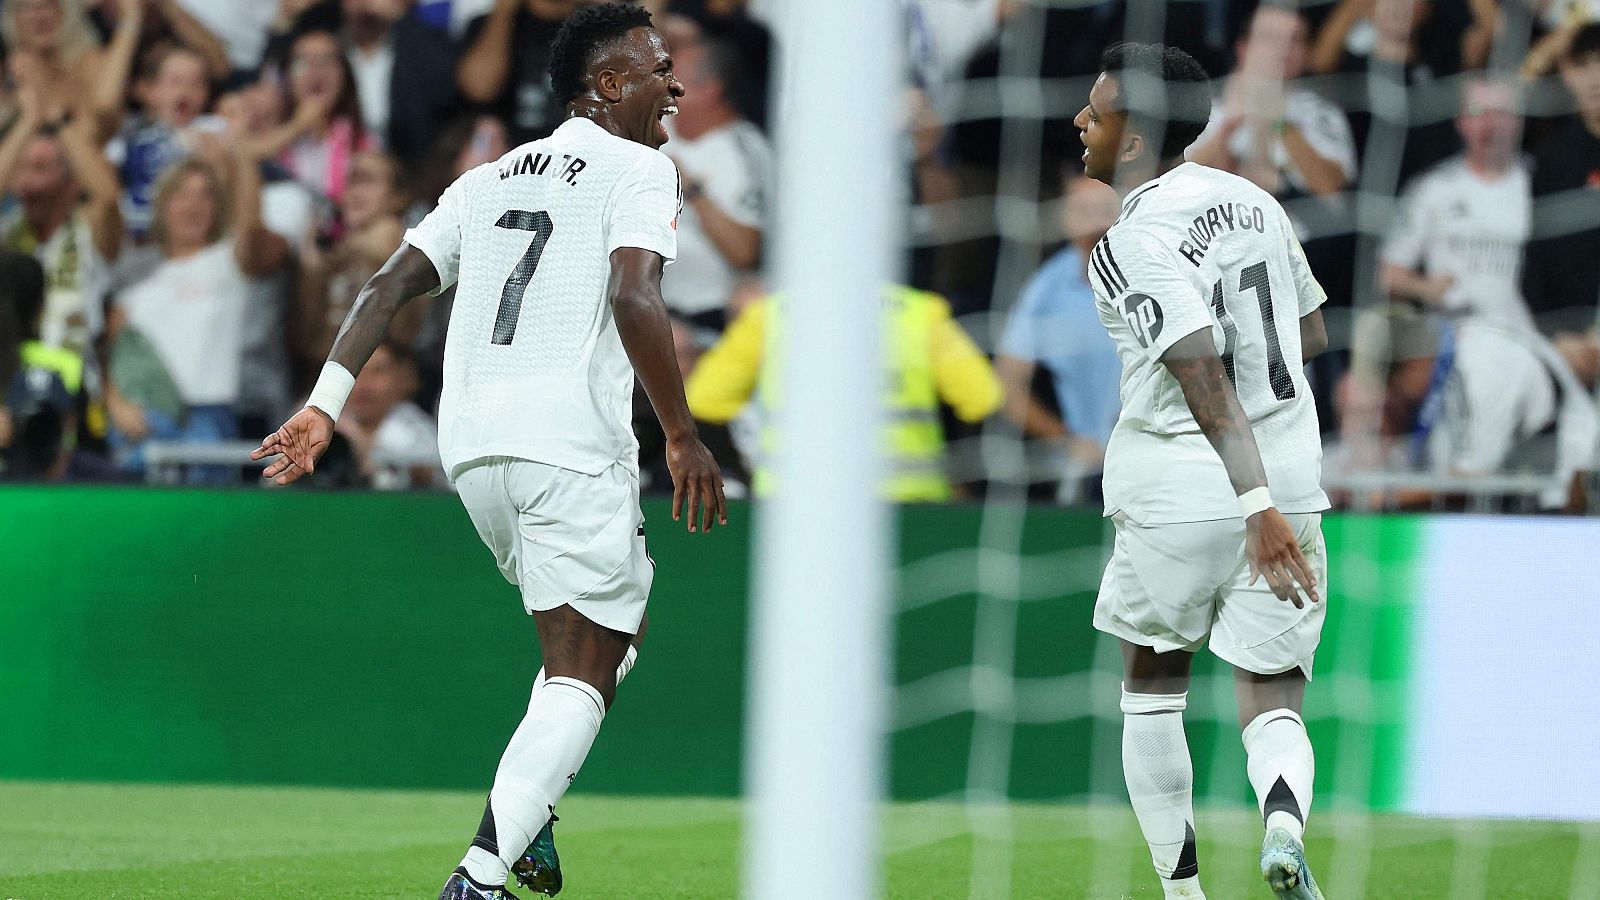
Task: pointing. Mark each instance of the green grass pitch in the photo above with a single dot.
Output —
(150, 841)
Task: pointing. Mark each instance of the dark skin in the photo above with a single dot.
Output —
(629, 86)
(1121, 157)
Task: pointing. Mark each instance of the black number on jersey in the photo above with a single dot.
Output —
(1254, 277)
(505, 321)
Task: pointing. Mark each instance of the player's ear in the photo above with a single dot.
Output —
(1132, 146)
(608, 85)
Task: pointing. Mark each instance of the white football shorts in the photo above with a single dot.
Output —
(563, 537)
(1173, 587)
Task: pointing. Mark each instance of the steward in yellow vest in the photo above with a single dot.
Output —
(929, 359)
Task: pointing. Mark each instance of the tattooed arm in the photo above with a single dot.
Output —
(1271, 545)
(304, 438)
(1193, 361)
(407, 275)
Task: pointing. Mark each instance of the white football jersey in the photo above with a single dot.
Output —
(1199, 248)
(1455, 222)
(533, 365)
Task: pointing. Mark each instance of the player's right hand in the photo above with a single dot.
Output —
(298, 445)
(697, 480)
(1273, 552)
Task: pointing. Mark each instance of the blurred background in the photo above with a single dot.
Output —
(192, 192)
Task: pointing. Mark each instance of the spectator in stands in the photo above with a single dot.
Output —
(289, 211)
(1284, 137)
(750, 43)
(1466, 358)
(408, 102)
(53, 49)
(177, 324)
(370, 209)
(1511, 403)
(39, 385)
(723, 162)
(324, 128)
(1056, 324)
(384, 426)
(65, 214)
(931, 360)
(1456, 246)
(176, 95)
(137, 29)
(1383, 41)
(1562, 276)
(505, 66)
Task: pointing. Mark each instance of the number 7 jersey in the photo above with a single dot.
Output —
(1199, 248)
(533, 365)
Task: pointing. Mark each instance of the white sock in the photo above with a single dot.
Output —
(1281, 767)
(1155, 762)
(544, 755)
(628, 659)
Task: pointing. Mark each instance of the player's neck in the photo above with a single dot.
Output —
(1138, 178)
(598, 113)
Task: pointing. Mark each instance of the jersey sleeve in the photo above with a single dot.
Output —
(1149, 289)
(644, 213)
(1408, 236)
(439, 233)
(1307, 288)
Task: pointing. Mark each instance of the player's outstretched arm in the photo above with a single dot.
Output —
(646, 333)
(302, 440)
(1270, 542)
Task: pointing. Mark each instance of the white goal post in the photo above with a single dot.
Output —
(819, 639)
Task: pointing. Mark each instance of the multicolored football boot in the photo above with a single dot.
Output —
(1283, 867)
(539, 869)
(459, 887)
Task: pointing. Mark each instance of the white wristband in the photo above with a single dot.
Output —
(332, 390)
(1253, 501)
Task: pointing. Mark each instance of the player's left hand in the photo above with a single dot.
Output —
(1273, 551)
(298, 444)
(697, 481)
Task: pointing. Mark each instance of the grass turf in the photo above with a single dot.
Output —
(151, 841)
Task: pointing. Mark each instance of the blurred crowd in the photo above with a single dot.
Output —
(194, 190)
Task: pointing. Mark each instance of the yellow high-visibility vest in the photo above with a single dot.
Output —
(928, 359)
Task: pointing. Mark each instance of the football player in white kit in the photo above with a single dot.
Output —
(557, 250)
(1213, 470)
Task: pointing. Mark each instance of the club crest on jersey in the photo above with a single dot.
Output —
(1143, 315)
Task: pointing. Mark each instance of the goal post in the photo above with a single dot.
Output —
(819, 674)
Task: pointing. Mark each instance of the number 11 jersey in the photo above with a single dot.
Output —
(1199, 248)
(533, 366)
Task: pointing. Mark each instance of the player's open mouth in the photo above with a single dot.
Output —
(668, 110)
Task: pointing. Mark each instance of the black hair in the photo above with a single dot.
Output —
(585, 33)
(1585, 42)
(1183, 103)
